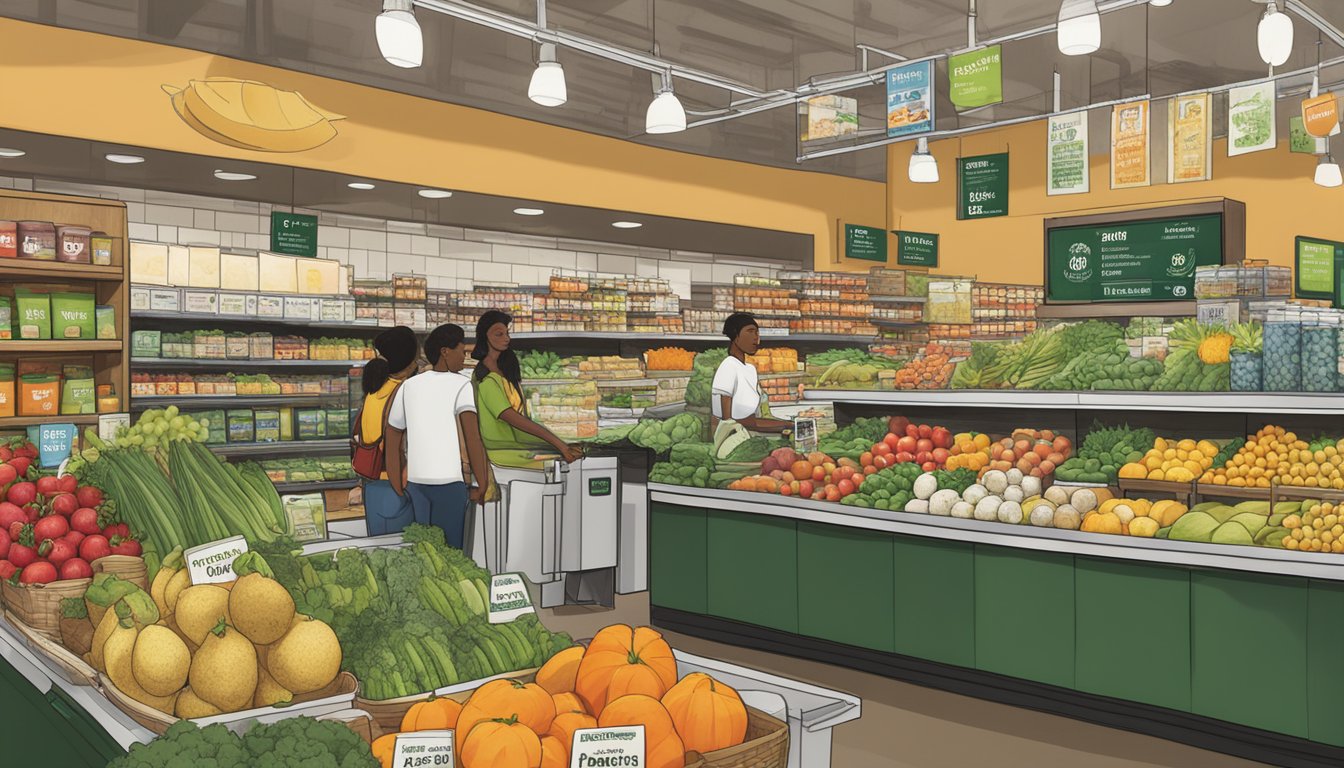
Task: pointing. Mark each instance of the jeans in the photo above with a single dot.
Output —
(384, 511)
(442, 505)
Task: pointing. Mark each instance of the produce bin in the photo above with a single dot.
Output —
(61, 660)
(1282, 356)
(1247, 372)
(388, 713)
(39, 605)
(1320, 358)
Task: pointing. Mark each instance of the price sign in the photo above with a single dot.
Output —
(982, 186)
(423, 749)
(294, 234)
(213, 563)
(866, 243)
(509, 598)
(608, 748)
(916, 249)
(1314, 267)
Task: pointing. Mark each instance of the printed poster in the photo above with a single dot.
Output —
(1130, 148)
(1250, 119)
(1190, 138)
(975, 79)
(831, 117)
(1298, 139)
(910, 99)
(1066, 154)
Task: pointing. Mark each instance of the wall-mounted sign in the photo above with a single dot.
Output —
(1315, 264)
(1190, 138)
(982, 186)
(218, 109)
(294, 234)
(1320, 115)
(1130, 159)
(910, 99)
(865, 243)
(1066, 155)
(975, 79)
(1250, 119)
(916, 249)
(1148, 260)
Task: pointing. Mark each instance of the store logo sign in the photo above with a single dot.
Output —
(1182, 264)
(1079, 265)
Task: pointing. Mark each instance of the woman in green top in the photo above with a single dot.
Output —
(511, 439)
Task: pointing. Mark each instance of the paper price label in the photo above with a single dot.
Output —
(423, 749)
(608, 748)
(508, 598)
(213, 563)
(235, 304)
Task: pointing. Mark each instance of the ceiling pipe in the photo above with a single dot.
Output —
(1316, 20)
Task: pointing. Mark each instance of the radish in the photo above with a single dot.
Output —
(129, 547)
(117, 530)
(6, 453)
(4, 544)
(50, 527)
(67, 484)
(91, 548)
(58, 551)
(75, 568)
(21, 555)
(10, 513)
(7, 569)
(21, 464)
(88, 496)
(48, 486)
(26, 451)
(7, 474)
(64, 504)
(40, 572)
(85, 521)
(16, 529)
(22, 494)
(75, 538)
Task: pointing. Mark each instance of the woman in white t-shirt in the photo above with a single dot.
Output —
(736, 393)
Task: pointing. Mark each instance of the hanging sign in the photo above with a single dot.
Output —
(1320, 115)
(1250, 119)
(1130, 159)
(910, 99)
(975, 79)
(865, 243)
(1148, 260)
(831, 117)
(1066, 154)
(916, 249)
(294, 234)
(982, 186)
(1315, 263)
(1298, 139)
(1190, 138)
(593, 747)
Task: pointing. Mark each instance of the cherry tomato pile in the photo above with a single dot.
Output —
(52, 528)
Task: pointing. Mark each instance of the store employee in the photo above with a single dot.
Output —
(736, 390)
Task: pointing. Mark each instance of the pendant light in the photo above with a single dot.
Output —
(1327, 170)
(923, 165)
(665, 114)
(1079, 29)
(548, 81)
(399, 37)
(1159, 3)
(1274, 36)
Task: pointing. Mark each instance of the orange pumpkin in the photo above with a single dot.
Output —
(503, 699)
(568, 702)
(708, 714)
(501, 743)
(635, 678)
(618, 646)
(384, 748)
(432, 714)
(558, 674)
(663, 748)
(565, 724)
(553, 753)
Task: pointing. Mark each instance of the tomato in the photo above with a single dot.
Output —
(846, 488)
(75, 568)
(806, 489)
(818, 474)
(64, 504)
(925, 431)
(907, 444)
(75, 538)
(942, 437)
(40, 572)
(26, 451)
(7, 570)
(67, 484)
(891, 440)
(869, 470)
(929, 466)
(50, 527)
(48, 486)
(882, 462)
(21, 555)
(10, 514)
(88, 496)
(6, 453)
(21, 494)
(4, 545)
(832, 493)
(940, 455)
(786, 490)
(912, 431)
(923, 457)
(85, 521)
(93, 547)
(7, 475)
(129, 547)
(866, 459)
(924, 445)
(882, 449)
(905, 457)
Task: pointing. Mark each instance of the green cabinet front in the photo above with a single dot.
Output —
(678, 552)
(753, 569)
(1024, 614)
(935, 600)
(845, 585)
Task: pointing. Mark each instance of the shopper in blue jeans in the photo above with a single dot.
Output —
(433, 415)
(385, 511)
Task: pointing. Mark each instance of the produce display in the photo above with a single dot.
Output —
(849, 369)
(702, 378)
(669, 359)
(852, 441)
(1112, 369)
(1179, 462)
(289, 743)
(1103, 452)
(1275, 456)
(930, 369)
(659, 435)
(537, 364)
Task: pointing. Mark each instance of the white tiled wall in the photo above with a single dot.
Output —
(451, 258)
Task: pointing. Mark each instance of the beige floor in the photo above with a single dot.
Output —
(907, 726)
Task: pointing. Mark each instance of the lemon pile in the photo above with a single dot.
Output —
(1319, 529)
(1275, 456)
(1179, 462)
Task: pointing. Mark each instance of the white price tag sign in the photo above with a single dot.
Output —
(213, 563)
(508, 598)
(423, 749)
(621, 747)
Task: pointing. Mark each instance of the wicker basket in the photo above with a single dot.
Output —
(131, 569)
(39, 605)
(767, 745)
(388, 713)
(65, 662)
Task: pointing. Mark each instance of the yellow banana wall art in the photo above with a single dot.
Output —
(251, 115)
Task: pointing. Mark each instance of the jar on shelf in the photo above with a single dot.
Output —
(1247, 372)
(1282, 357)
(1320, 358)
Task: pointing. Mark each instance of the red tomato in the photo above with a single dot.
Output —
(7, 569)
(818, 474)
(10, 514)
(21, 494)
(129, 547)
(940, 455)
(64, 504)
(88, 496)
(882, 449)
(923, 457)
(7, 475)
(869, 470)
(85, 521)
(907, 444)
(75, 538)
(912, 430)
(866, 459)
(806, 489)
(881, 462)
(925, 431)
(924, 445)
(786, 490)
(40, 572)
(50, 527)
(891, 440)
(93, 547)
(21, 464)
(846, 488)
(6, 453)
(929, 466)
(4, 544)
(59, 551)
(942, 437)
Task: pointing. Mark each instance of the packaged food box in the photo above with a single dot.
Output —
(34, 313)
(261, 346)
(216, 427)
(37, 240)
(338, 422)
(237, 346)
(311, 423)
(106, 321)
(142, 385)
(72, 315)
(6, 318)
(242, 426)
(145, 343)
(78, 396)
(7, 393)
(286, 424)
(39, 395)
(72, 244)
(9, 239)
(100, 246)
(267, 425)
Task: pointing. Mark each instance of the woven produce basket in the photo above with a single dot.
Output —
(131, 569)
(388, 713)
(69, 666)
(767, 745)
(39, 605)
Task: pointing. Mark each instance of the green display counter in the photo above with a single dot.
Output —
(1214, 646)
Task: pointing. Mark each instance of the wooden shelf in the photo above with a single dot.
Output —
(1233, 492)
(1117, 309)
(234, 401)
(60, 346)
(31, 269)
(18, 422)
(1183, 490)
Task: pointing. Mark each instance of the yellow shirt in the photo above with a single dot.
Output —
(375, 405)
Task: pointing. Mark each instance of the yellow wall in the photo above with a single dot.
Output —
(1276, 186)
(108, 89)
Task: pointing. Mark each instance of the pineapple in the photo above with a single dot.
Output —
(1248, 337)
(1216, 348)
(1212, 342)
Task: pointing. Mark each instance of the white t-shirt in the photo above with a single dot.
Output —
(737, 380)
(430, 403)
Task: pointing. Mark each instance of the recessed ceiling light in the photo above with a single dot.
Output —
(360, 185)
(528, 211)
(232, 176)
(7, 152)
(124, 159)
(626, 224)
(435, 194)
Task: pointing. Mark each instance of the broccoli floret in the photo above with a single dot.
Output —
(431, 534)
(352, 568)
(302, 742)
(184, 745)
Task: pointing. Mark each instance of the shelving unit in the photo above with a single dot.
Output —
(274, 450)
(330, 485)
(1199, 402)
(232, 401)
(56, 347)
(162, 363)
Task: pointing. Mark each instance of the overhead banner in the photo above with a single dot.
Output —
(1320, 115)
(1189, 139)
(975, 79)
(910, 99)
(1130, 160)
(831, 117)
(1147, 260)
(1250, 119)
(1298, 139)
(1066, 155)
(982, 186)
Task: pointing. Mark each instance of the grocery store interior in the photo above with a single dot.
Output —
(671, 383)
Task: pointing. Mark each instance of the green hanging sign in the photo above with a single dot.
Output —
(293, 234)
(976, 78)
(916, 249)
(865, 243)
(982, 186)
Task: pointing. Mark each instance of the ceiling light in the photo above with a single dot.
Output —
(1274, 36)
(665, 114)
(1079, 28)
(434, 194)
(232, 176)
(1159, 3)
(528, 211)
(548, 81)
(1327, 172)
(124, 159)
(7, 152)
(399, 37)
(626, 224)
(923, 165)
(362, 185)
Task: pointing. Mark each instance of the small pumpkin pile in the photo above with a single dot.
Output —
(626, 676)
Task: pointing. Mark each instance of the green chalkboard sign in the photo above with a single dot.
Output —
(982, 186)
(866, 243)
(1316, 263)
(294, 234)
(1147, 260)
(916, 249)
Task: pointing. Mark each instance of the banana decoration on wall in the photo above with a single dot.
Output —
(252, 115)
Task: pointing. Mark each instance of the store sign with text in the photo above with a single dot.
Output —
(212, 563)
(597, 747)
(1130, 151)
(1066, 154)
(910, 99)
(916, 249)
(1250, 119)
(865, 243)
(1320, 115)
(1152, 260)
(975, 79)
(1190, 138)
(424, 749)
(1316, 263)
(294, 234)
(982, 186)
